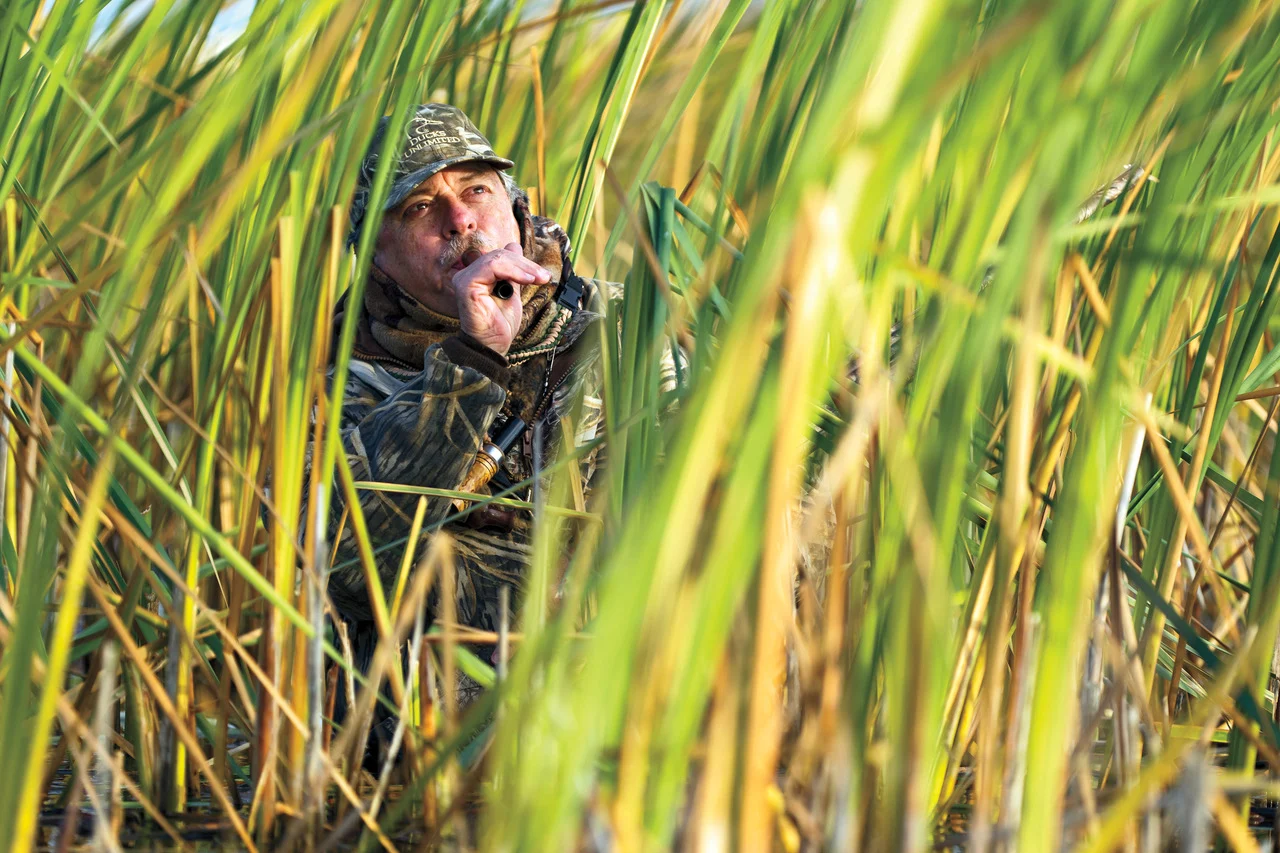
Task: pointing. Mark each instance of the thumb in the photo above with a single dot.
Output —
(514, 247)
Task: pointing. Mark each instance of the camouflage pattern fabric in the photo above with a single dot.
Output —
(424, 427)
(423, 424)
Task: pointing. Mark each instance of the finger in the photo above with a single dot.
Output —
(475, 258)
(516, 273)
(539, 273)
(514, 250)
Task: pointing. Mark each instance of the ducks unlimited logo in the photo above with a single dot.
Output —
(427, 132)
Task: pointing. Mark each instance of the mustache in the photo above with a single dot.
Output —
(461, 244)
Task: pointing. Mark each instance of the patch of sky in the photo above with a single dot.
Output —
(118, 15)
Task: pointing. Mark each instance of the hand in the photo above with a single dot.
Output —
(492, 321)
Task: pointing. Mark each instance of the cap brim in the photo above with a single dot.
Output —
(400, 189)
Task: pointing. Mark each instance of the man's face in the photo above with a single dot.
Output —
(422, 242)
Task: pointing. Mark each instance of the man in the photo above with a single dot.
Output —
(445, 361)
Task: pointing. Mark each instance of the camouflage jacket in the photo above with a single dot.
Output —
(421, 398)
(425, 428)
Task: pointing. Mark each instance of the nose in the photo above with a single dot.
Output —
(458, 217)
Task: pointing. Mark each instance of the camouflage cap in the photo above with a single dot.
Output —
(437, 136)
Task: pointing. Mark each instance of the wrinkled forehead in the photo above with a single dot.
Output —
(460, 171)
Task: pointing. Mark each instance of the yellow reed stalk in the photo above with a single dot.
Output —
(540, 130)
(402, 577)
(1189, 524)
(774, 618)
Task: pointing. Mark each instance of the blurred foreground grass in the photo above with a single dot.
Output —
(1016, 587)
